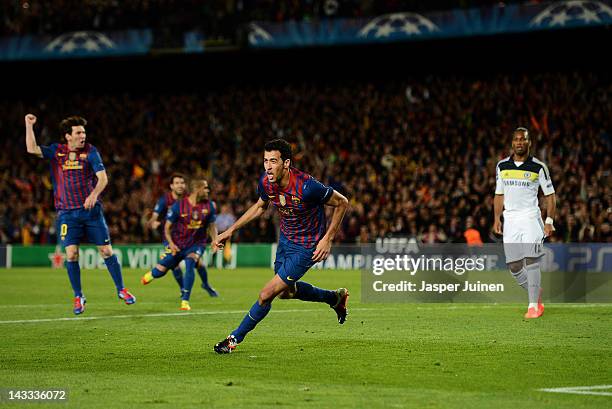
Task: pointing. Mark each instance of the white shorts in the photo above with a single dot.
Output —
(523, 238)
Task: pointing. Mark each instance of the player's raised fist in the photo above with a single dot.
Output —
(30, 119)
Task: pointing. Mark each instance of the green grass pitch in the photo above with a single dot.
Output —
(150, 355)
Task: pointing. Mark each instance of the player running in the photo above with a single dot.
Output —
(519, 178)
(188, 222)
(304, 241)
(78, 178)
(165, 202)
(177, 190)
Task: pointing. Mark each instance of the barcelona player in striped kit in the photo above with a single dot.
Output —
(177, 190)
(165, 202)
(78, 178)
(188, 223)
(305, 238)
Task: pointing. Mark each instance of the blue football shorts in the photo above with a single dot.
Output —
(77, 225)
(292, 260)
(171, 261)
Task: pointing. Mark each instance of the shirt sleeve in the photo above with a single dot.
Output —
(212, 217)
(261, 192)
(95, 160)
(48, 152)
(545, 181)
(160, 206)
(499, 183)
(173, 213)
(316, 192)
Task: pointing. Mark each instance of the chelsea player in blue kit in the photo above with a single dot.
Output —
(78, 178)
(305, 239)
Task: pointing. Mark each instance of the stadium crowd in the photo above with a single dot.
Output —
(416, 158)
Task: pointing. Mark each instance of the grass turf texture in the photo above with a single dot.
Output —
(385, 356)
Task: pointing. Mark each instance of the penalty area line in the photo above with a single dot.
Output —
(163, 314)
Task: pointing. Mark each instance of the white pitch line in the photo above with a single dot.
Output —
(171, 314)
(581, 390)
(417, 306)
(103, 303)
(164, 314)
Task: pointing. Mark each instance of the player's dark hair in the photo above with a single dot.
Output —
(280, 145)
(66, 125)
(524, 130)
(177, 175)
(195, 184)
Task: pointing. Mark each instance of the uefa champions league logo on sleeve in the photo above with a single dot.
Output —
(398, 25)
(80, 41)
(561, 13)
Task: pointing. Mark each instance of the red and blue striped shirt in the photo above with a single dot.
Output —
(300, 206)
(73, 173)
(190, 223)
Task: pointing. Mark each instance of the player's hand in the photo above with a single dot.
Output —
(219, 243)
(30, 120)
(90, 202)
(213, 249)
(174, 248)
(322, 251)
(548, 230)
(497, 227)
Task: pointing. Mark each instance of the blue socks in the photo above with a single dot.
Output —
(74, 274)
(203, 275)
(255, 314)
(189, 278)
(308, 292)
(115, 271)
(305, 292)
(178, 276)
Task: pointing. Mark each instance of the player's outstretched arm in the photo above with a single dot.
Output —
(498, 208)
(91, 200)
(252, 213)
(31, 144)
(341, 205)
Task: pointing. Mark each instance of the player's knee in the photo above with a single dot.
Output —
(287, 294)
(530, 260)
(516, 266)
(72, 255)
(105, 251)
(266, 296)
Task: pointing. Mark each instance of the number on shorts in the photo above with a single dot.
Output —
(64, 230)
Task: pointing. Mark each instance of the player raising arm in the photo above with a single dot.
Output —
(78, 178)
